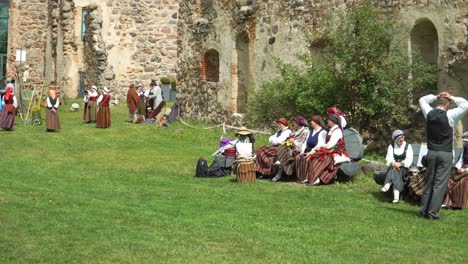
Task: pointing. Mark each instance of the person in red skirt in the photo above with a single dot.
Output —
(323, 168)
(103, 115)
(266, 155)
(52, 116)
(9, 105)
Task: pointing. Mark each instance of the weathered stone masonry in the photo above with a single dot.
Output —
(125, 41)
(249, 35)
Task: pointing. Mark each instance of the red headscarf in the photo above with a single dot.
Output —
(335, 111)
(283, 121)
(8, 93)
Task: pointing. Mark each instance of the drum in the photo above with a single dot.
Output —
(245, 171)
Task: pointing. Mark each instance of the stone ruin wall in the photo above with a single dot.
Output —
(28, 31)
(276, 31)
(128, 41)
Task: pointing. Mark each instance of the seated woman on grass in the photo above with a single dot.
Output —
(323, 168)
(399, 159)
(457, 194)
(266, 155)
(293, 146)
(315, 139)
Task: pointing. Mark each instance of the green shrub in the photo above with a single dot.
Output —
(361, 69)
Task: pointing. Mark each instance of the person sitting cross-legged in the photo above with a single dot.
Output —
(399, 159)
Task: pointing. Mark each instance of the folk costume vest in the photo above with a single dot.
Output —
(402, 156)
(439, 132)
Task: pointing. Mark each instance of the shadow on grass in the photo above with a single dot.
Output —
(381, 197)
(407, 211)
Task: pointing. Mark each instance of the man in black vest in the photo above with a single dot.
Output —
(440, 122)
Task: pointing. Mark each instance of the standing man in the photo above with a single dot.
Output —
(440, 122)
(154, 94)
(133, 100)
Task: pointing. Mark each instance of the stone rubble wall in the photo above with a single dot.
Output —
(135, 41)
(28, 31)
(277, 31)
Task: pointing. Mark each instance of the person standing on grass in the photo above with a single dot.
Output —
(399, 159)
(91, 106)
(52, 117)
(103, 115)
(154, 94)
(142, 104)
(133, 100)
(9, 105)
(440, 122)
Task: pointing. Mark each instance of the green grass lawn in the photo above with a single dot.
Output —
(127, 195)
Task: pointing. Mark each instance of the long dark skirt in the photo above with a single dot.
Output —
(266, 156)
(91, 112)
(7, 120)
(397, 178)
(52, 120)
(103, 117)
(322, 167)
(286, 157)
(457, 195)
(142, 107)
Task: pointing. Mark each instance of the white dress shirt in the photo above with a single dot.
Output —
(156, 95)
(321, 139)
(335, 135)
(459, 164)
(15, 102)
(453, 115)
(49, 104)
(285, 133)
(398, 151)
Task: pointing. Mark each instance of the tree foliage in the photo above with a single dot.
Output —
(361, 69)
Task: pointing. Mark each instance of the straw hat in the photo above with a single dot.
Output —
(243, 131)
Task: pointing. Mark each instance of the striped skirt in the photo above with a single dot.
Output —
(287, 156)
(7, 120)
(52, 120)
(416, 185)
(457, 195)
(91, 112)
(103, 117)
(266, 155)
(302, 167)
(322, 167)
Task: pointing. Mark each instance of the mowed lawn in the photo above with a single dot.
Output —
(127, 195)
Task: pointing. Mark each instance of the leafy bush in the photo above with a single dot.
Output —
(169, 80)
(361, 70)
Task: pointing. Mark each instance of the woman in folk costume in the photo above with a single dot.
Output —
(9, 105)
(142, 104)
(399, 159)
(336, 111)
(266, 155)
(103, 115)
(52, 116)
(457, 194)
(91, 106)
(322, 168)
(293, 147)
(315, 139)
(133, 100)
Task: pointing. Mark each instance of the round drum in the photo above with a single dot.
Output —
(245, 171)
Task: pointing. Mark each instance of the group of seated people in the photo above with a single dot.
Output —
(312, 154)
(401, 177)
